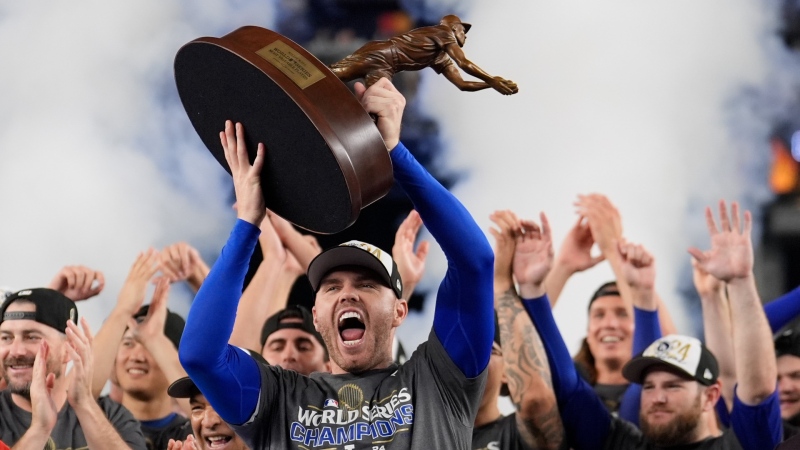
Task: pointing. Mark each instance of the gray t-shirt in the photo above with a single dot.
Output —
(502, 434)
(427, 403)
(67, 434)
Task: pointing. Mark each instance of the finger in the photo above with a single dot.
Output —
(546, 230)
(258, 163)
(71, 277)
(359, 90)
(698, 255)
(242, 158)
(422, 250)
(736, 225)
(100, 282)
(185, 259)
(712, 227)
(85, 279)
(725, 223)
(748, 223)
(87, 332)
(596, 260)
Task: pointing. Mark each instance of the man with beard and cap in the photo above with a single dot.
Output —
(678, 374)
(437, 46)
(65, 414)
(367, 401)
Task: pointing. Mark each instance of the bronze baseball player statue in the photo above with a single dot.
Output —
(437, 46)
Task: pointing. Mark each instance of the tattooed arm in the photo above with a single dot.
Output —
(526, 368)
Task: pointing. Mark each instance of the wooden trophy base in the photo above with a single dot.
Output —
(325, 159)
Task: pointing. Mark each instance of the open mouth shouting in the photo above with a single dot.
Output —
(217, 441)
(351, 328)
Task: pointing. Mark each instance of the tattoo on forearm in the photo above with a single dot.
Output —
(528, 374)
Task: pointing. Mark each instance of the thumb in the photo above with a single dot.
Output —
(360, 89)
(422, 250)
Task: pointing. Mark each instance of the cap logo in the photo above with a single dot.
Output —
(72, 314)
(682, 352)
(383, 257)
(707, 375)
(23, 293)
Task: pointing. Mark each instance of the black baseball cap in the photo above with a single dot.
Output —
(685, 354)
(185, 387)
(787, 342)
(275, 323)
(606, 289)
(356, 253)
(173, 326)
(52, 308)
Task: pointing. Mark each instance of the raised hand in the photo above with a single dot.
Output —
(246, 177)
(706, 284)
(575, 253)
(533, 257)
(410, 264)
(302, 248)
(79, 345)
(509, 227)
(153, 324)
(43, 408)
(503, 86)
(188, 444)
(731, 252)
(144, 268)
(639, 272)
(387, 103)
(182, 262)
(604, 221)
(78, 282)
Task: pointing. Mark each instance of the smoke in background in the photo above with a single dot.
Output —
(99, 161)
(646, 102)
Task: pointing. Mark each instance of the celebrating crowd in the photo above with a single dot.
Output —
(246, 371)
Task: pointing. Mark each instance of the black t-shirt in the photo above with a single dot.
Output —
(67, 434)
(157, 438)
(502, 434)
(427, 403)
(624, 436)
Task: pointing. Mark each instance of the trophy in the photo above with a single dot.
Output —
(325, 159)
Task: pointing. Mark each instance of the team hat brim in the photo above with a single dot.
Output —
(183, 388)
(635, 370)
(345, 255)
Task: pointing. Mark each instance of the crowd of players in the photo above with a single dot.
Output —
(244, 371)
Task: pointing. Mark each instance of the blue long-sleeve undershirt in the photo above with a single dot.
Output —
(586, 420)
(646, 331)
(463, 319)
(226, 375)
(783, 309)
(230, 379)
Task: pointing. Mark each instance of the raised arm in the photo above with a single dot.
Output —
(730, 259)
(717, 327)
(586, 420)
(410, 264)
(606, 225)
(226, 375)
(129, 300)
(263, 297)
(464, 311)
(525, 362)
(150, 333)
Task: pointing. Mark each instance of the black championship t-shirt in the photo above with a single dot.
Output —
(502, 434)
(157, 438)
(67, 434)
(427, 403)
(625, 436)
